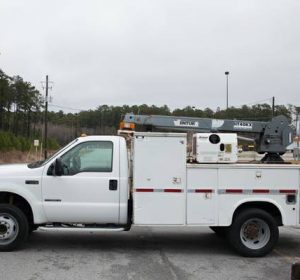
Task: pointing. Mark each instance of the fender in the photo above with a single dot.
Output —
(35, 203)
(257, 199)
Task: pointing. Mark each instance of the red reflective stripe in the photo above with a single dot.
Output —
(287, 191)
(144, 190)
(172, 190)
(203, 190)
(234, 191)
(260, 191)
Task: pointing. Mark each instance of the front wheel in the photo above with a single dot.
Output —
(13, 227)
(253, 233)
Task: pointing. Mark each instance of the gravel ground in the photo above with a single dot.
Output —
(145, 253)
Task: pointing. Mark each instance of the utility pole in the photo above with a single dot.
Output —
(46, 120)
(46, 87)
(227, 74)
(297, 128)
(273, 106)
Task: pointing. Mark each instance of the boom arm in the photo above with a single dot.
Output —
(271, 137)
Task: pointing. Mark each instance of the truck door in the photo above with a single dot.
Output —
(88, 190)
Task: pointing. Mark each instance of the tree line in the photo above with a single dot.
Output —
(22, 115)
(106, 119)
(20, 104)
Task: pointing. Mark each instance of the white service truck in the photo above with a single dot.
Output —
(105, 183)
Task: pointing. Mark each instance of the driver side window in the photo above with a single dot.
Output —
(92, 156)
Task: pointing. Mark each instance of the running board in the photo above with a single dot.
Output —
(76, 229)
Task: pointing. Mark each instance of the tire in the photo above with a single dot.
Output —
(14, 227)
(220, 231)
(253, 233)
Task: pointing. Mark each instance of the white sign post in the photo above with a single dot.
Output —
(36, 143)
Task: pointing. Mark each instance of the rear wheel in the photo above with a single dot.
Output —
(253, 233)
(13, 227)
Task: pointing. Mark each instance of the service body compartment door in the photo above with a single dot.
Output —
(159, 178)
(202, 183)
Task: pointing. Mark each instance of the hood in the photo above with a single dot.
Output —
(16, 170)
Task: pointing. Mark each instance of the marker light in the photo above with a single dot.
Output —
(126, 125)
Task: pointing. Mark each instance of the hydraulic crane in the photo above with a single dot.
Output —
(271, 138)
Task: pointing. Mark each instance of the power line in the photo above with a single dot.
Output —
(65, 107)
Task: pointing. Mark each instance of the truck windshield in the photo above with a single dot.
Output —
(39, 163)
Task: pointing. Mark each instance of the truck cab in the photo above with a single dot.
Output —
(85, 182)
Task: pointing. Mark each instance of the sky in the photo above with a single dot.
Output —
(157, 52)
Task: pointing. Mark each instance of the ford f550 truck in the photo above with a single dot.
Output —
(105, 183)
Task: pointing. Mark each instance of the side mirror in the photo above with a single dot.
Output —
(58, 167)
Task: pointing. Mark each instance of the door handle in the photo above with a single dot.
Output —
(113, 185)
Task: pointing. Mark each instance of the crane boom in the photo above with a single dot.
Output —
(271, 137)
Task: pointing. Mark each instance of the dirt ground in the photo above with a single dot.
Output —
(21, 157)
(16, 157)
